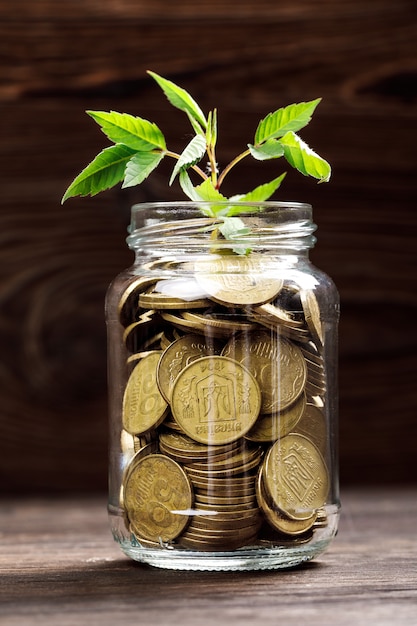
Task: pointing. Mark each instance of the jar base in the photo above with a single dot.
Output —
(263, 556)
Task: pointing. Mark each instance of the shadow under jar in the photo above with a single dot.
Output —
(222, 361)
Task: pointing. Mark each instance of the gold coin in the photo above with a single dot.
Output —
(268, 315)
(145, 450)
(239, 458)
(130, 461)
(204, 546)
(315, 389)
(277, 364)
(314, 367)
(165, 341)
(128, 304)
(186, 321)
(199, 528)
(317, 401)
(312, 425)
(278, 315)
(283, 541)
(169, 334)
(312, 353)
(172, 425)
(158, 498)
(317, 379)
(215, 400)
(276, 518)
(289, 300)
(312, 315)
(227, 324)
(295, 476)
(141, 334)
(301, 335)
(229, 483)
(161, 301)
(134, 359)
(187, 450)
(178, 355)
(186, 288)
(248, 515)
(245, 480)
(141, 441)
(187, 325)
(224, 500)
(144, 407)
(145, 543)
(127, 443)
(219, 536)
(270, 427)
(242, 507)
(322, 520)
(224, 491)
(208, 473)
(237, 280)
(204, 522)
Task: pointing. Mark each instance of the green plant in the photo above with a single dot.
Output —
(139, 147)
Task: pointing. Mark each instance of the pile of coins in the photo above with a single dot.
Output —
(224, 431)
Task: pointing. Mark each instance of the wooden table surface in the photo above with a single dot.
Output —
(59, 565)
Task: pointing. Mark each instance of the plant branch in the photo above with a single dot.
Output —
(228, 167)
(213, 165)
(197, 169)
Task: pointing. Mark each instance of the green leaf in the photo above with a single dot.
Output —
(236, 209)
(187, 186)
(290, 118)
(191, 155)
(181, 99)
(271, 149)
(196, 126)
(209, 193)
(140, 166)
(259, 194)
(233, 227)
(134, 132)
(211, 132)
(202, 193)
(105, 171)
(304, 159)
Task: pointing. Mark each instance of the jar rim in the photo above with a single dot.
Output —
(201, 204)
(270, 222)
(277, 203)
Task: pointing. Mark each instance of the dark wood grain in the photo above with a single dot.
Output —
(247, 59)
(59, 565)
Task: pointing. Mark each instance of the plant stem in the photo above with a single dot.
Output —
(228, 167)
(213, 165)
(197, 169)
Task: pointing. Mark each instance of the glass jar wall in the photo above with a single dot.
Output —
(222, 361)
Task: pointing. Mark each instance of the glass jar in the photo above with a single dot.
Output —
(222, 359)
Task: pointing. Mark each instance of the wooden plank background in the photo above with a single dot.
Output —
(247, 58)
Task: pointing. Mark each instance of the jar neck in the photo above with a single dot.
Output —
(281, 228)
